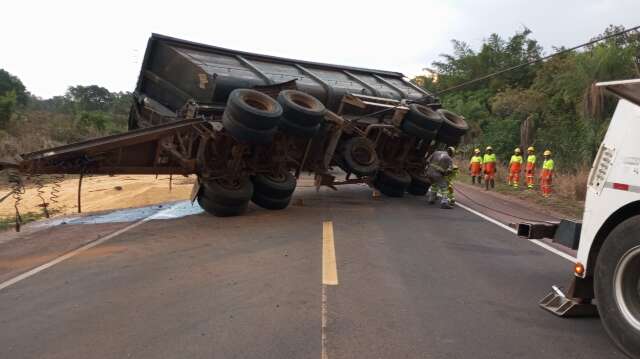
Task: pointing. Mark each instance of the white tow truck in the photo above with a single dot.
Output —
(607, 269)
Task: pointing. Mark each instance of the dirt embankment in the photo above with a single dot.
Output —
(99, 193)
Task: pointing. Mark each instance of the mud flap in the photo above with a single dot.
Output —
(195, 191)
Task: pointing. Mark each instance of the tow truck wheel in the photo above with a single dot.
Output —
(617, 285)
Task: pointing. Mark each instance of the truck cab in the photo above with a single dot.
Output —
(607, 269)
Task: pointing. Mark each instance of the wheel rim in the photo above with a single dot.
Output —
(362, 155)
(627, 286)
(232, 184)
(258, 102)
(279, 177)
(304, 101)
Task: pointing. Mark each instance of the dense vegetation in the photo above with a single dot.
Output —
(550, 105)
(29, 123)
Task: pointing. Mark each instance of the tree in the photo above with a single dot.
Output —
(90, 98)
(555, 101)
(9, 83)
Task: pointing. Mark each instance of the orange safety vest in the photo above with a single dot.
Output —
(516, 163)
(475, 165)
(489, 161)
(531, 163)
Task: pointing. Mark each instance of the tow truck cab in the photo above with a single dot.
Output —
(613, 188)
(607, 266)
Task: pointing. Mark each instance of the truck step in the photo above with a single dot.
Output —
(559, 304)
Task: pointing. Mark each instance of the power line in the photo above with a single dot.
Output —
(500, 72)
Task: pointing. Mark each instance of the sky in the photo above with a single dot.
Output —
(51, 45)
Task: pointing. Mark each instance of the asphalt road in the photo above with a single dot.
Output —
(414, 281)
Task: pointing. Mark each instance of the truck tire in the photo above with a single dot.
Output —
(228, 192)
(296, 130)
(271, 203)
(300, 108)
(358, 156)
(253, 109)
(221, 210)
(424, 117)
(244, 134)
(419, 185)
(392, 184)
(390, 191)
(617, 285)
(279, 185)
(448, 140)
(453, 125)
(413, 129)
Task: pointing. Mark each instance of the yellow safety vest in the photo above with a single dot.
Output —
(531, 159)
(476, 159)
(516, 159)
(488, 158)
(548, 164)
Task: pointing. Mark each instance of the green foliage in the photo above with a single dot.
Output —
(90, 98)
(83, 112)
(9, 83)
(569, 114)
(8, 103)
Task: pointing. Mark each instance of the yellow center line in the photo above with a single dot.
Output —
(329, 270)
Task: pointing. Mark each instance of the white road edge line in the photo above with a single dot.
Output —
(77, 251)
(535, 241)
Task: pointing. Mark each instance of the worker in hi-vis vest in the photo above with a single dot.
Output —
(530, 170)
(515, 166)
(489, 165)
(547, 174)
(475, 166)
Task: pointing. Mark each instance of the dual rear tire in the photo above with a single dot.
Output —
(302, 114)
(251, 116)
(392, 183)
(273, 191)
(442, 126)
(225, 197)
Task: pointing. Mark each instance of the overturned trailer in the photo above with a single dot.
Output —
(248, 125)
